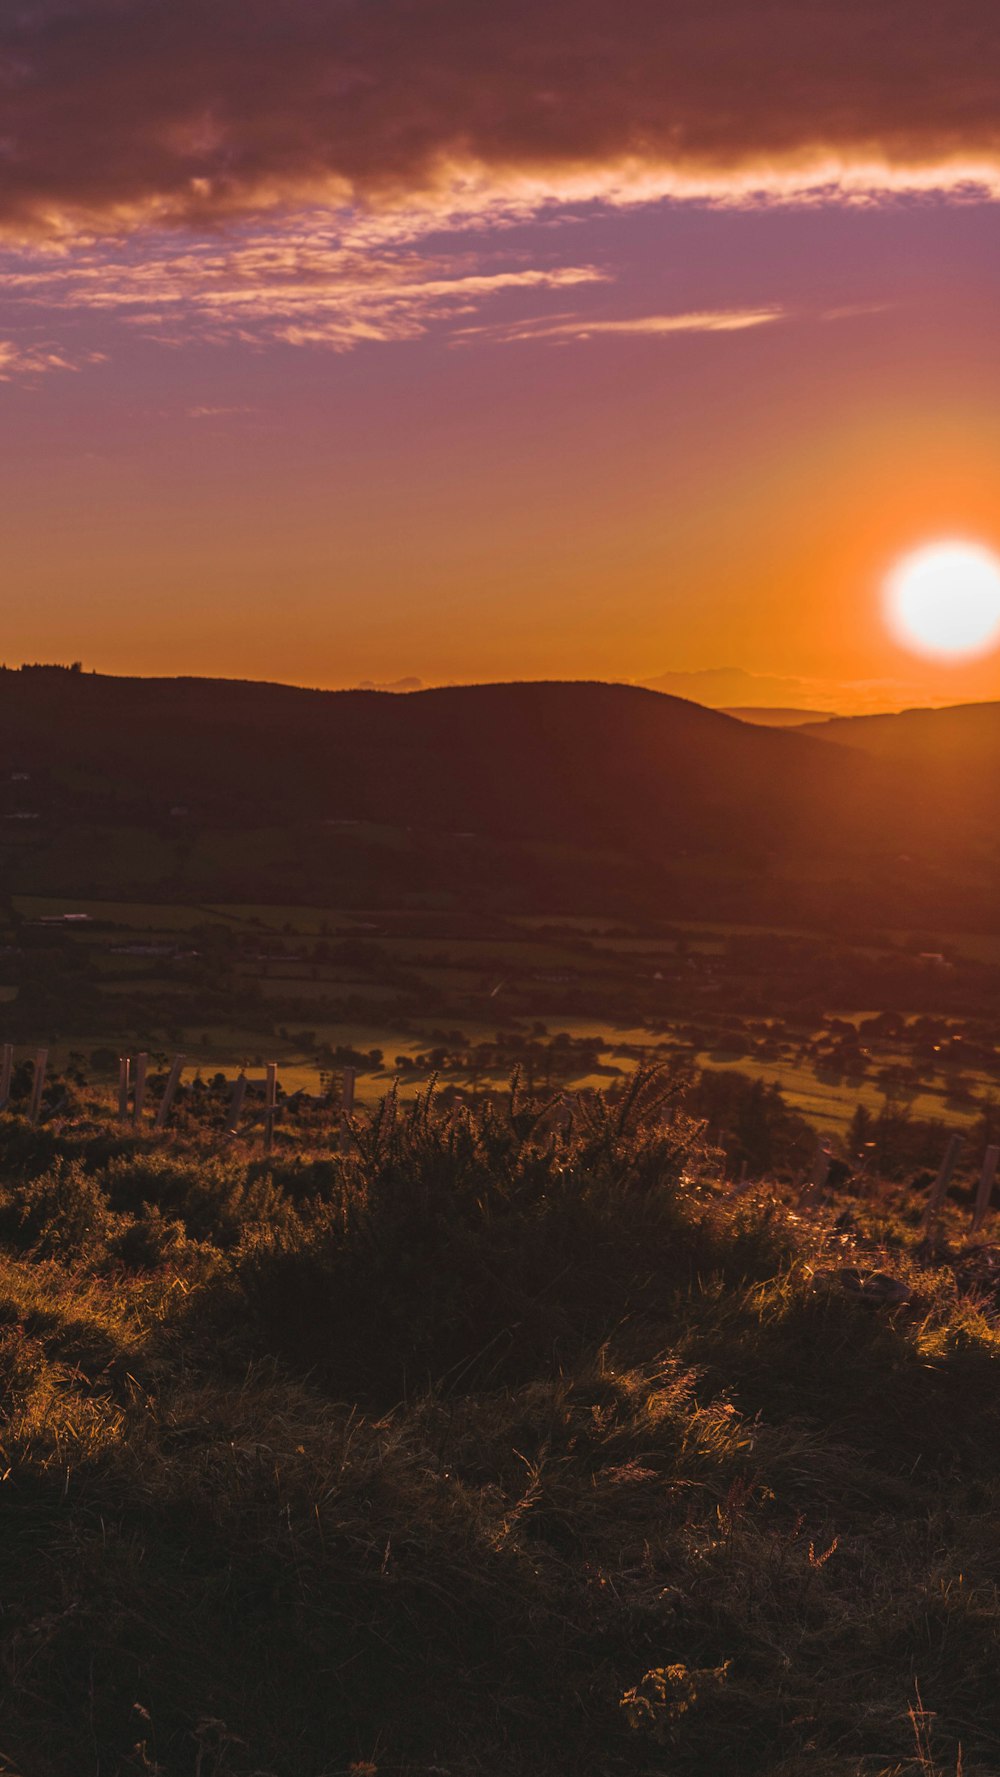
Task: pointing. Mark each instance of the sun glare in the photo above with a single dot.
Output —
(944, 600)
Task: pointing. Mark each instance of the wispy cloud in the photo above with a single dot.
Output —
(317, 282)
(565, 328)
(855, 311)
(19, 361)
(216, 413)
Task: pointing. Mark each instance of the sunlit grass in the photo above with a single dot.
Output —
(492, 1445)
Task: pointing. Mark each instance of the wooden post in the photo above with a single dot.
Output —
(939, 1188)
(270, 1104)
(139, 1095)
(985, 1190)
(38, 1085)
(124, 1085)
(6, 1069)
(169, 1093)
(236, 1103)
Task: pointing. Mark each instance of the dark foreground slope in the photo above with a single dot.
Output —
(490, 1448)
(680, 792)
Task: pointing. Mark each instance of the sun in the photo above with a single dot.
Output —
(944, 600)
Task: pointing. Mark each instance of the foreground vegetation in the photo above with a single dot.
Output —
(501, 1443)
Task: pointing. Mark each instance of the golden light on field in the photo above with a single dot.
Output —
(944, 600)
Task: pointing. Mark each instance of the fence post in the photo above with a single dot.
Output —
(124, 1085)
(939, 1188)
(985, 1190)
(270, 1104)
(169, 1093)
(6, 1069)
(236, 1103)
(139, 1095)
(38, 1085)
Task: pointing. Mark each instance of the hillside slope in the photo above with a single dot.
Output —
(952, 754)
(669, 799)
(576, 762)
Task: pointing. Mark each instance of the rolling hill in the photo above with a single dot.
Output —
(693, 804)
(950, 756)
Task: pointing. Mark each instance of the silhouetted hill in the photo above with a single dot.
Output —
(951, 756)
(677, 790)
(575, 762)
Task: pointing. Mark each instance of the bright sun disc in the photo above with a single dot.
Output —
(945, 600)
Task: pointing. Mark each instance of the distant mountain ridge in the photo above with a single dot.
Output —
(767, 716)
(734, 688)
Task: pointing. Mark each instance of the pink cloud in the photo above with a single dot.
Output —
(27, 361)
(312, 282)
(564, 328)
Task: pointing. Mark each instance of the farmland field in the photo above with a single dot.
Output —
(571, 1001)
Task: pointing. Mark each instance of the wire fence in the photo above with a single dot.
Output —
(256, 1102)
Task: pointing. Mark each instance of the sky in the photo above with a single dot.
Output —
(365, 341)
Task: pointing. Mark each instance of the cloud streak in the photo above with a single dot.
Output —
(115, 111)
(20, 362)
(566, 328)
(319, 282)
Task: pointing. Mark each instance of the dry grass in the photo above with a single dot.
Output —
(490, 1448)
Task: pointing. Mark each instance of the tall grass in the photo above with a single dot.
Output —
(492, 1445)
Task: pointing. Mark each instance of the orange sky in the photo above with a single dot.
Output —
(303, 376)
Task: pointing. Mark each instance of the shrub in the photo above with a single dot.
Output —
(62, 1213)
(473, 1247)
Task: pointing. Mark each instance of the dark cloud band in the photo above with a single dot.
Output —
(193, 107)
